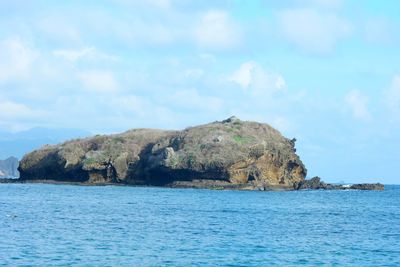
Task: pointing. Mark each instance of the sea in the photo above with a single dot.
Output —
(70, 225)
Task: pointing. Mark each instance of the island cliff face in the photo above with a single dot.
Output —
(227, 154)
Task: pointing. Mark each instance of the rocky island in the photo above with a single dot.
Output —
(228, 154)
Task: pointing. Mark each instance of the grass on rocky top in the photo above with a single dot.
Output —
(242, 140)
(89, 161)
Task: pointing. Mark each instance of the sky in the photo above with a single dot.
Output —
(326, 72)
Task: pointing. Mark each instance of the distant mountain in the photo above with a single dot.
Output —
(8, 168)
(19, 143)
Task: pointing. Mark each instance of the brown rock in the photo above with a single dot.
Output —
(238, 153)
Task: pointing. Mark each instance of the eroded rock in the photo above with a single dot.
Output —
(234, 152)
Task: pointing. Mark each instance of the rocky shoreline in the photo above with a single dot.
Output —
(228, 154)
(312, 184)
(316, 184)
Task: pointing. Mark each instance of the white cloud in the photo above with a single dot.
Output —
(252, 77)
(313, 31)
(392, 96)
(191, 99)
(88, 52)
(243, 76)
(10, 110)
(217, 30)
(98, 81)
(90, 112)
(358, 104)
(16, 59)
(131, 104)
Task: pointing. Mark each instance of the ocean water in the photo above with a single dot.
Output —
(67, 225)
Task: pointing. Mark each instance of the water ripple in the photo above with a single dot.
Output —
(47, 225)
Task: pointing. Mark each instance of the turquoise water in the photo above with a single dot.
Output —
(53, 225)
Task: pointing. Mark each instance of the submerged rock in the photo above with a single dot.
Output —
(227, 153)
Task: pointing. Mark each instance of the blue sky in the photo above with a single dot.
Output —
(324, 71)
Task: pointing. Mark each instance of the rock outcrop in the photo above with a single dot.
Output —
(227, 154)
(8, 168)
(375, 186)
(316, 184)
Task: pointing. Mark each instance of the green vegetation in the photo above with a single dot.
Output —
(94, 158)
(118, 139)
(175, 161)
(89, 161)
(241, 140)
(235, 126)
(191, 160)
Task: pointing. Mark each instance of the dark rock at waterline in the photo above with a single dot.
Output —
(376, 186)
(315, 183)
